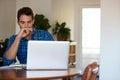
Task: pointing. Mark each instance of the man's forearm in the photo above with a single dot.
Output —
(12, 51)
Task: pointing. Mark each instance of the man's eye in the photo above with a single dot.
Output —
(29, 21)
(22, 22)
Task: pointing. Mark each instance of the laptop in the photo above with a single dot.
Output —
(47, 54)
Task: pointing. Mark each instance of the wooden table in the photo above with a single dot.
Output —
(22, 74)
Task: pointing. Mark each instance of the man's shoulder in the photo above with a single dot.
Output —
(13, 35)
(41, 31)
(44, 34)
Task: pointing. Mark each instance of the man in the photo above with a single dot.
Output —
(17, 45)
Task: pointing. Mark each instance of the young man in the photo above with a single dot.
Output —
(17, 45)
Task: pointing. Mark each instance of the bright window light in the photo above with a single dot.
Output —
(91, 30)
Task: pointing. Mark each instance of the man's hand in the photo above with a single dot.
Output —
(24, 33)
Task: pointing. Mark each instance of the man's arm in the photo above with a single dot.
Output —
(10, 42)
(12, 51)
(13, 44)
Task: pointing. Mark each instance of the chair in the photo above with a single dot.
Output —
(91, 72)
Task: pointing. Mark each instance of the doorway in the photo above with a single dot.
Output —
(90, 35)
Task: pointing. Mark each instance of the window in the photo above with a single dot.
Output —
(90, 30)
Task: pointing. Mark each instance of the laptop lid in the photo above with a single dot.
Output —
(48, 55)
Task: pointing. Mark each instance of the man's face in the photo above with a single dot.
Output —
(26, 21)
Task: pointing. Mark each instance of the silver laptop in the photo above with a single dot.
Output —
(47, 55)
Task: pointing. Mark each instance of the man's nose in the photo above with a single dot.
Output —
(26, 25)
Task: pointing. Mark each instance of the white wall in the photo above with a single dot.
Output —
(110, 40)
(7, 18)
(63, 11)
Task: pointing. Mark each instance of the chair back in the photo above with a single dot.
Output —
(91, 72)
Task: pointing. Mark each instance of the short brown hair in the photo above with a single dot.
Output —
(25, 11)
